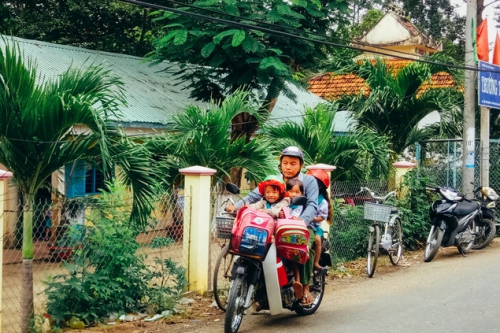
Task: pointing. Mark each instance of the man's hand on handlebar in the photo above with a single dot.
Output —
(230, 208)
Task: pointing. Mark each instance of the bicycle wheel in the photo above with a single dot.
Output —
(236, 305)
(222, 277)
(373, 244)
(396, 250)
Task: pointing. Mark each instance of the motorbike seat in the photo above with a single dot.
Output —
(465, 207)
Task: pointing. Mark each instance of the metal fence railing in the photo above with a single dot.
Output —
(54, 244)
(349, 232)
(441, 162)
(220, 199)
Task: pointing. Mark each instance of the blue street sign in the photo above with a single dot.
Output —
(488, 85)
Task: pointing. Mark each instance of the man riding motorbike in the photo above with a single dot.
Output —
(291, 163)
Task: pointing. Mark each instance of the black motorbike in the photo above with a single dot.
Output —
(452, 220)
(485, 227)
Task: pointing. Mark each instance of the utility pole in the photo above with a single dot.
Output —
(468, 147)
(485, 146)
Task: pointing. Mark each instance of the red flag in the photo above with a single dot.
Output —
(483, 49)
(496, 52)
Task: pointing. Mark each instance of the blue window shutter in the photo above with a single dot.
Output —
(75, 181)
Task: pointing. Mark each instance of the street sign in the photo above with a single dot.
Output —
(488, 85)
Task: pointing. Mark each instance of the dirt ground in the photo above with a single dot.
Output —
(202, 312)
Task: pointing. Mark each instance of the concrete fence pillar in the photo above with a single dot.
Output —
(401, 169)
(196, 234)
(4, 175)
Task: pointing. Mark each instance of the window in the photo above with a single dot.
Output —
(82, 179)
(94, 180)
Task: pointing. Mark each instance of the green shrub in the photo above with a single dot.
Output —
(414, 210)
(167, 280)
(349, 233)
(106, 274)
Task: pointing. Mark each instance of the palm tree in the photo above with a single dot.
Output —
(353, 154)
(203, 137)
(37, 138)
(398, 101)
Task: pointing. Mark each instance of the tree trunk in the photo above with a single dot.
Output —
(27, 309)
(479, 12)
(144, 25)
(236, 175)
(27, 306)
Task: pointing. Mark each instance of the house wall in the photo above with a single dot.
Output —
(407, 51)
(10, 199)
(387, 31)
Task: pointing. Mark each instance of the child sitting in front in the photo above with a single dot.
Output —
(324, 212)
(273, 191)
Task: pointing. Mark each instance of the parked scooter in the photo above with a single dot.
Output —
(452, 220)
(485, 227)
(259, 274)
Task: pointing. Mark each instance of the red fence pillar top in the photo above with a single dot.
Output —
(404, 165)
(5, 174)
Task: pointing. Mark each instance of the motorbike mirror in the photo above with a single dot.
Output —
(299, 200)
(232, 188)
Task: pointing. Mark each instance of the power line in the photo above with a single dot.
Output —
(290, 28)
(286, 34)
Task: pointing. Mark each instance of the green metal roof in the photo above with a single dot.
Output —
(153, 96)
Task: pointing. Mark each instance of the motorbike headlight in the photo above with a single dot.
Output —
(450, 194)
(489, 193)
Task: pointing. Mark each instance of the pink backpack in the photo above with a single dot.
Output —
(292, 238)
(252, 233)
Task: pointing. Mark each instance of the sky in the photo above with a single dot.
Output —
(487, 13)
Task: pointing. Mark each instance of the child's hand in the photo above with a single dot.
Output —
(281, 215)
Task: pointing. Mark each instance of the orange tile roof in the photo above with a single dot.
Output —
(332, 87)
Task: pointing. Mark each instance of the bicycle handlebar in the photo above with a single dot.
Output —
(228, 199)
(380, 199)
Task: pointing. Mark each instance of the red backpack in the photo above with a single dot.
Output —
(292, 238)
(252, 233)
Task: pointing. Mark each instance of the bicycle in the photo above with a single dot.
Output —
(224, 262)
(391, 242)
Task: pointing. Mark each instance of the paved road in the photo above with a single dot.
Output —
(450, 294)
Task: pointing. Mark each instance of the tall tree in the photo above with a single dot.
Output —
(359, 155)
(36, 139)
(200, 137)
(106, 25)
(369, 20)
(217, 59)
(359, 8)
(396, 102)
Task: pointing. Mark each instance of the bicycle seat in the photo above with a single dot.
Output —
(394, 210)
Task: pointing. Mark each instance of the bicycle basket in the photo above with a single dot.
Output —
(224, 226)
(377, 212)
